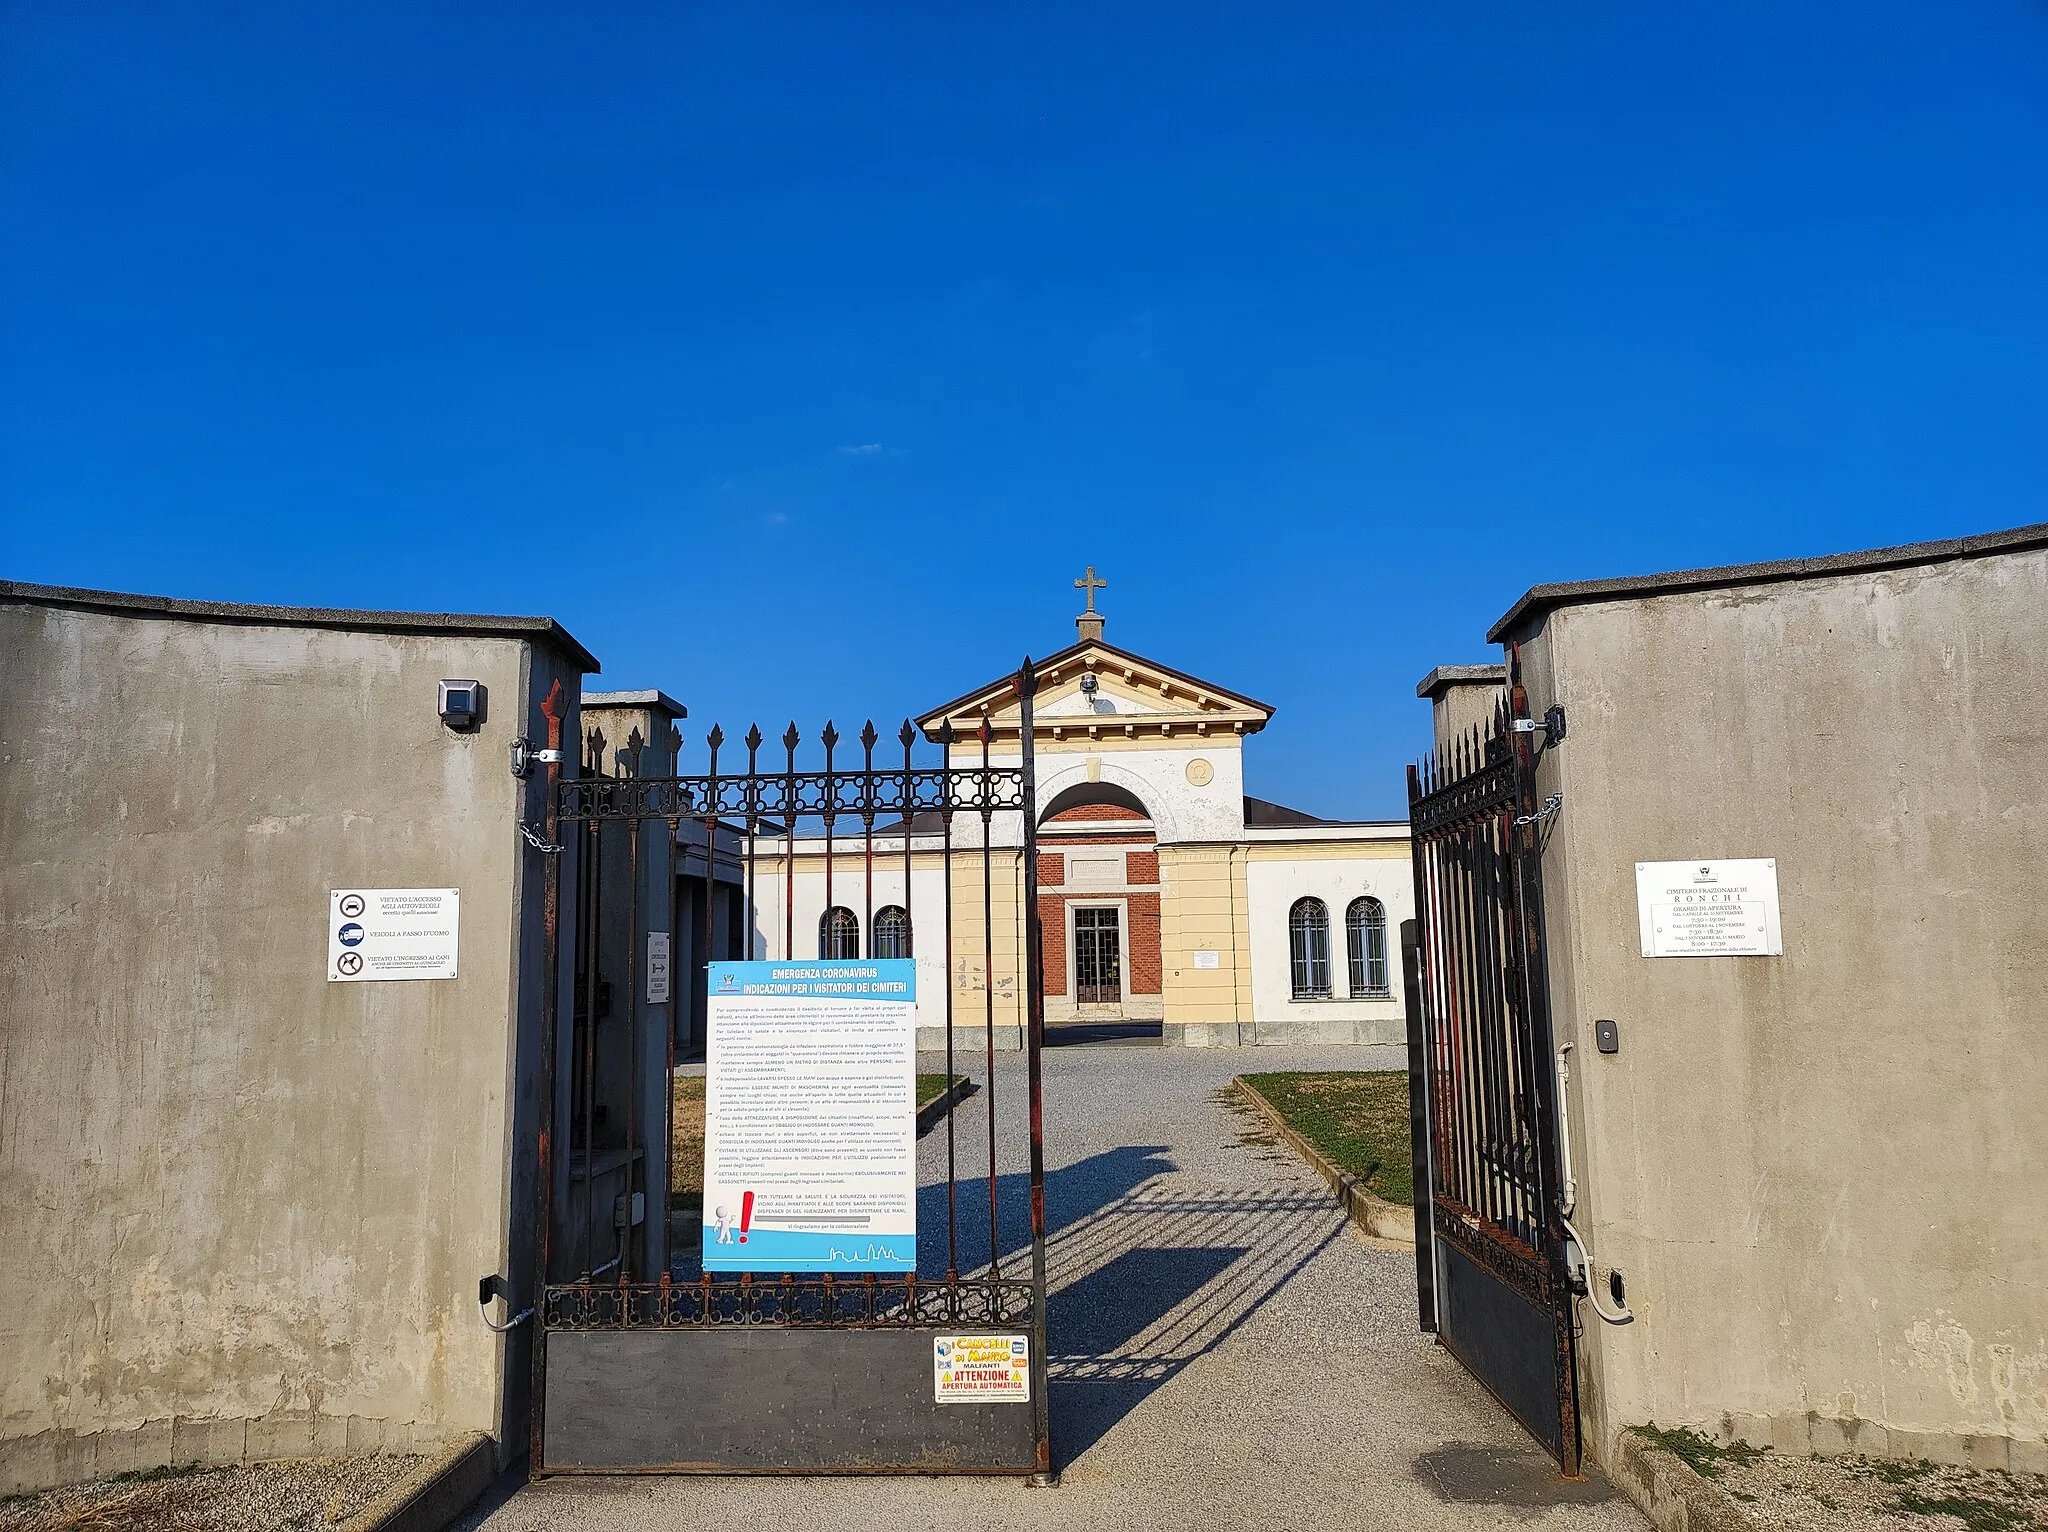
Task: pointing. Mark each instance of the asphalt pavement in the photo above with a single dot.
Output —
(1227, 1350)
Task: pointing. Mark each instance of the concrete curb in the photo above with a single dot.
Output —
(1670, 1493)
(1389, 1221)
(932, 1114)
(434, 1494)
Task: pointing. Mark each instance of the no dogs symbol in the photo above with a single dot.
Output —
(350, 963)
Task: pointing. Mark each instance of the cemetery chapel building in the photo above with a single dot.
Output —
(1167, 894)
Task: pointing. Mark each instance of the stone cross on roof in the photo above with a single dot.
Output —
(1091, 585)
(1090, 621)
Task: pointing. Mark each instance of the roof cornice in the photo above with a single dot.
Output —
(1208, 708)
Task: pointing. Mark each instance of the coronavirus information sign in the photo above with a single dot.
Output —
(1709, 909)
(810, 1116)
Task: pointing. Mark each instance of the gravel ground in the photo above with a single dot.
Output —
(261, 1497)
(1227, 1349)
(1852, 1494)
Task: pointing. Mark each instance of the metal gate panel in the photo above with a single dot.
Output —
(1501, 1300)
(768, 1400)
(644, 1371)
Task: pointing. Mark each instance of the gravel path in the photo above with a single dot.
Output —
(257, 1497)
(1227, 1350)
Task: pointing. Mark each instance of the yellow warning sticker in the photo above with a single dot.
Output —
(981, 1369)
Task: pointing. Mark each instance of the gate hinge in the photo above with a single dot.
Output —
(522, 757)
(1551, 726)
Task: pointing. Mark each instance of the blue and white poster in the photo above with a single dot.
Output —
(810, 1116)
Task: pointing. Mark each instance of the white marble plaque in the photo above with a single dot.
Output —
(1709, 909)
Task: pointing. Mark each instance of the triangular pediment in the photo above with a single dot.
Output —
(1132, 697)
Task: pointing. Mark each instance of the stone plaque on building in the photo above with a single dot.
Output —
(1709, 909)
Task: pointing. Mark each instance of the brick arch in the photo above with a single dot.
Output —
(1098, 826)
(1094, 800)
(1054, 786)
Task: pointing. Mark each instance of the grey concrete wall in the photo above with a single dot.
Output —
(243, 1210)
(1825, 1174)
(1459, 707)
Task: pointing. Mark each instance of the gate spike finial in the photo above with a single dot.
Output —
(790, 740)
(675, 745)
(868, 737)
(985, 733)
(830, 736)
(714, 739)
(907, 735)
(945, 731)
(753, 745)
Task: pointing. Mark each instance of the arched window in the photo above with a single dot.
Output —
(1365, 935)
(1308, 947)
(838, 933)
(892, 932)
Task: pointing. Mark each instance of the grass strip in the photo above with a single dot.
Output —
(1356, 1119)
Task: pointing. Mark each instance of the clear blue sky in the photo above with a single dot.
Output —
(798, 359)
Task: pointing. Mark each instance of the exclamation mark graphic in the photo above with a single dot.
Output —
(746, 1214)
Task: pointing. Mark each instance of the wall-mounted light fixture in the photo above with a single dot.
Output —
(461, 705)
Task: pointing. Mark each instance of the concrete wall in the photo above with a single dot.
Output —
(243, 1209)
(1825, 1174)
(1460, 704)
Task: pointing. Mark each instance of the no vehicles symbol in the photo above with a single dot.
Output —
(351, 905)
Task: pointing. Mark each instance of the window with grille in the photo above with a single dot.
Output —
(1365, 937)
(1308, 948)
(838, 933)
(892, 932)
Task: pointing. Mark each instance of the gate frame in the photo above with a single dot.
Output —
(813, 1304)
(1463, 784)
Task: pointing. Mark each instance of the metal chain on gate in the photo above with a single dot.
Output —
(538, 841)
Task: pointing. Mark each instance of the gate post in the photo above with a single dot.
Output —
(1418, 1114)
(1034, 1042)
(544, 1181)
(1525, 848)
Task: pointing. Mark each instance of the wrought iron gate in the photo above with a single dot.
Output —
(1501, 1295)
(674, 1371)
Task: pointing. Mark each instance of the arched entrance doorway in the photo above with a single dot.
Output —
(1098, 904)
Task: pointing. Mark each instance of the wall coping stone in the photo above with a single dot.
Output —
(1539, 599)
(452, 624)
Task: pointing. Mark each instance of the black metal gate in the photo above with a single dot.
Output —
(1500, 1290)
(680, 1371)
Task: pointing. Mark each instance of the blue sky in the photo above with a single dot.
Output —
(798, 359)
